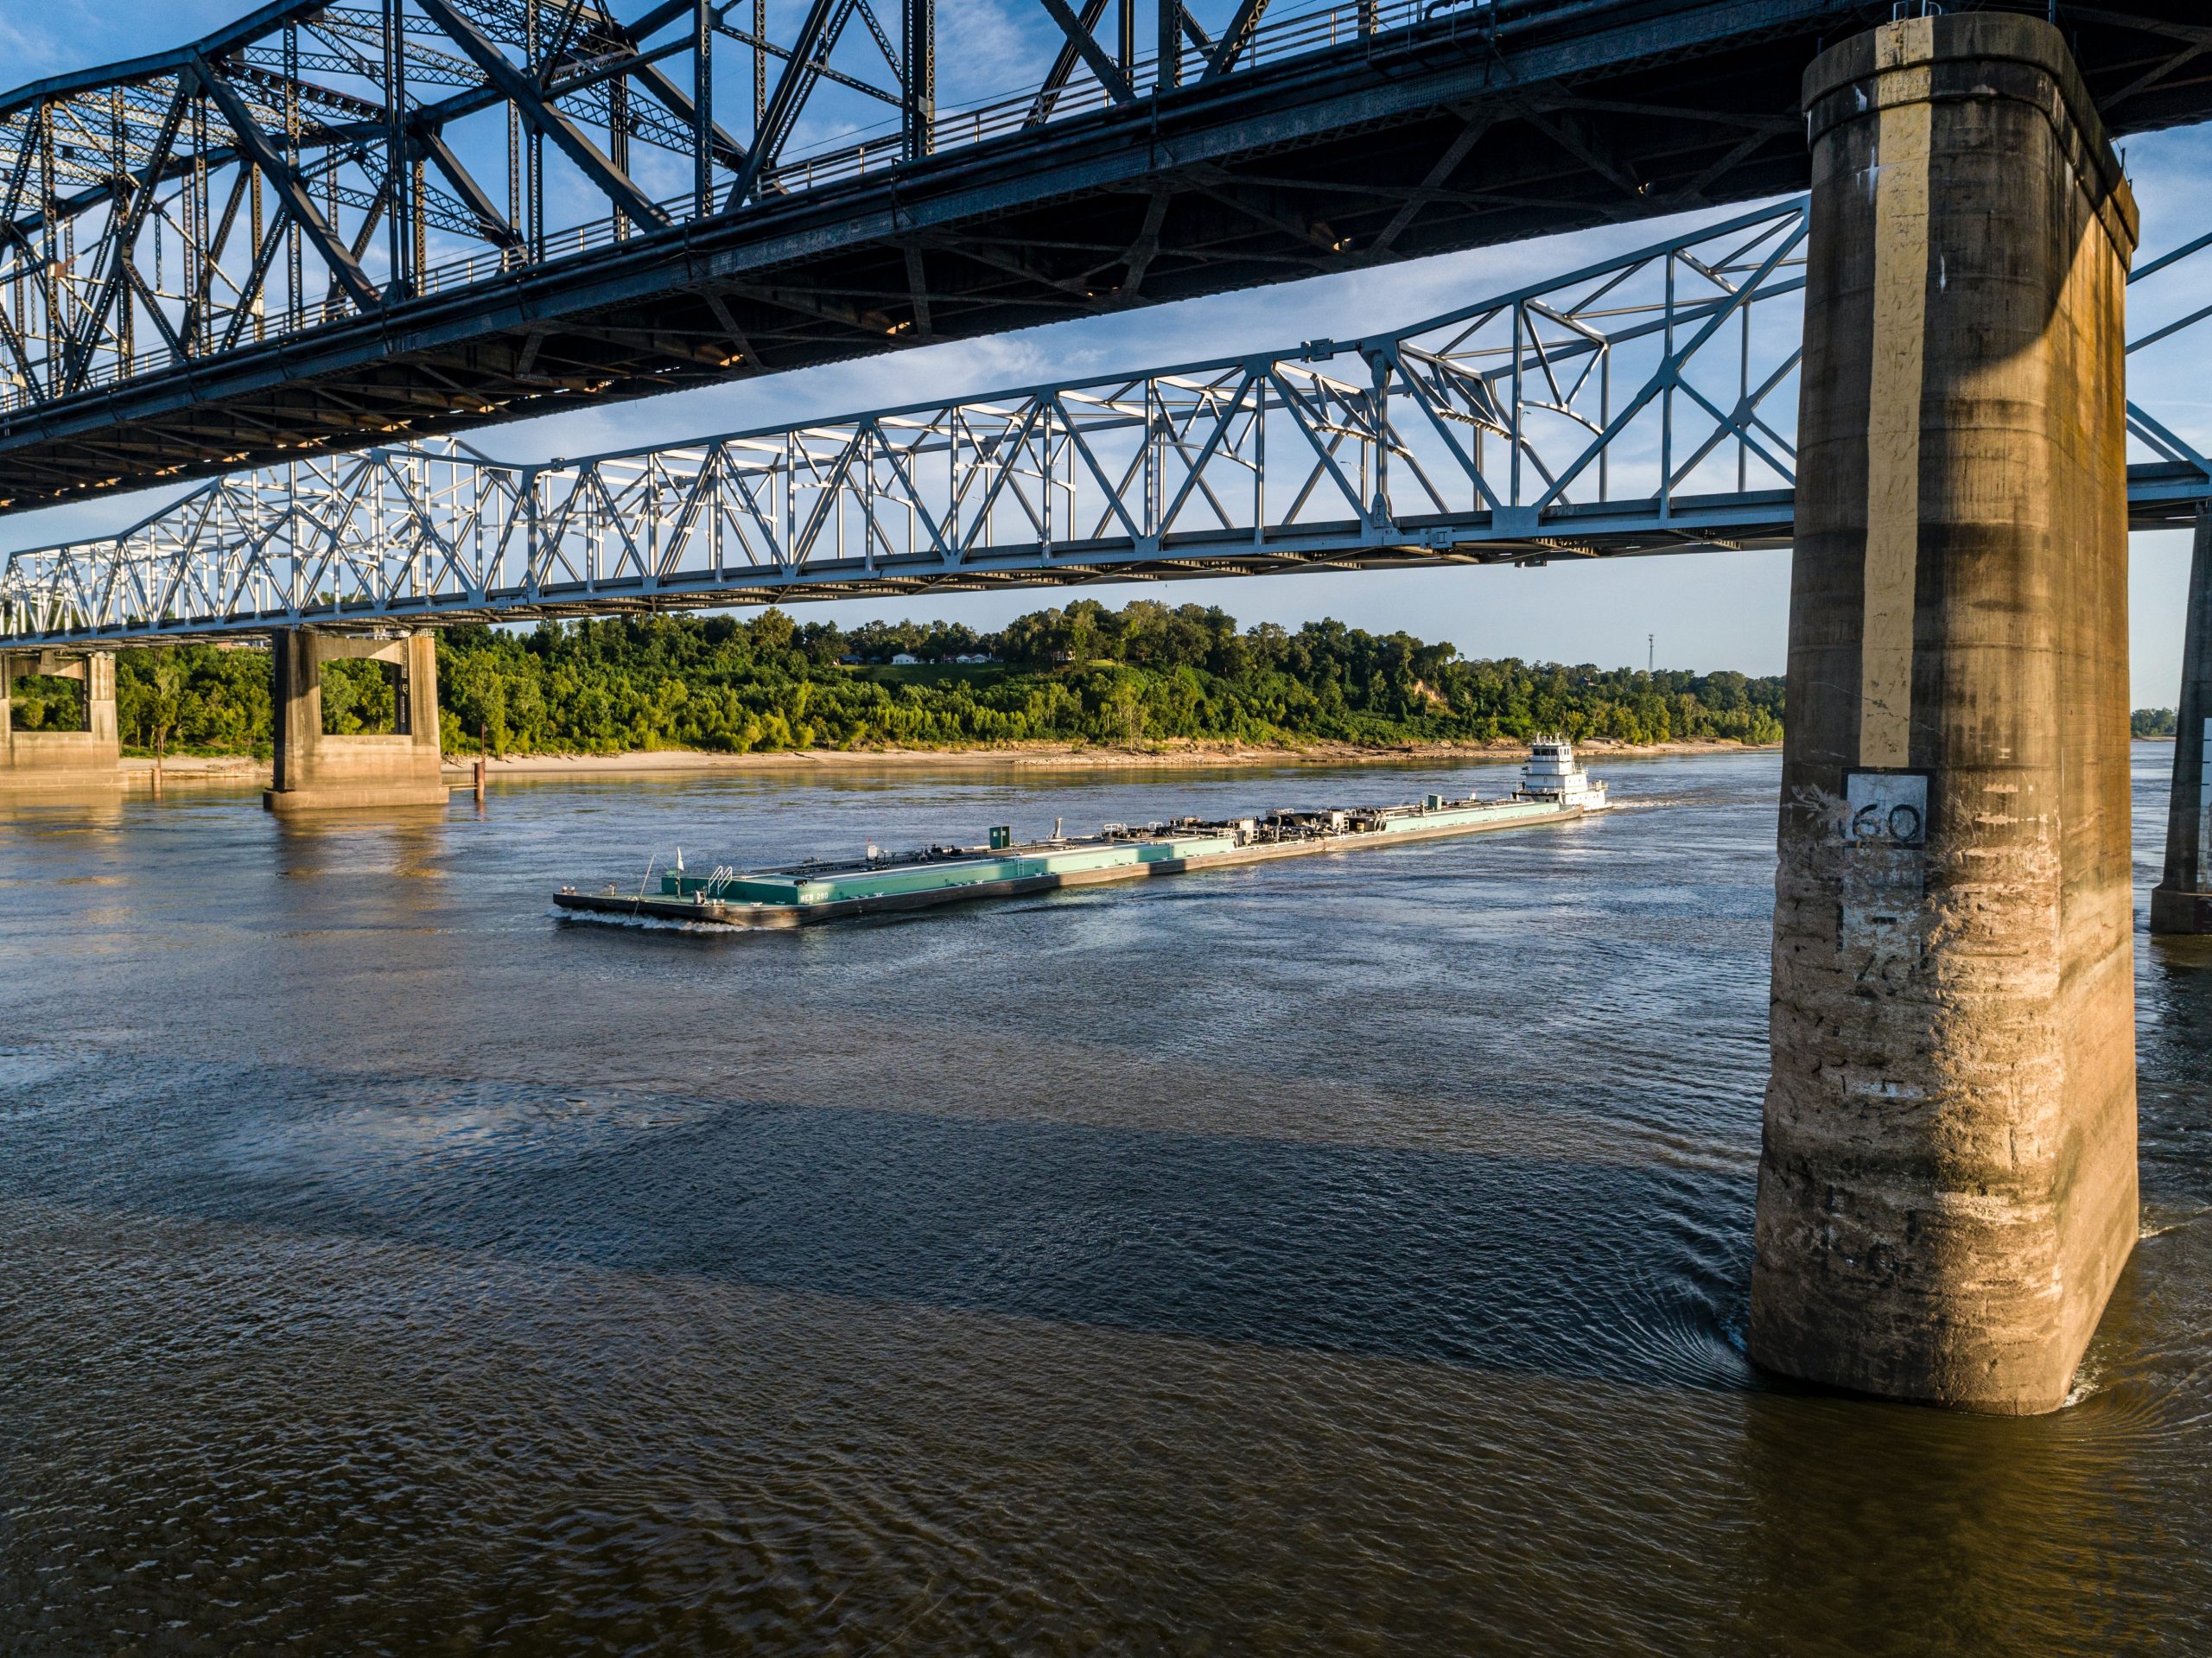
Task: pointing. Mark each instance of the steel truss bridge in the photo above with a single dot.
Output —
(330, 224)
(1644, 404)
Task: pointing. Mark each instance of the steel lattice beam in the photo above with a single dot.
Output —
(1644, 404)
(292, 233)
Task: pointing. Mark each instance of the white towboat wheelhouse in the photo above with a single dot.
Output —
(1553, 773)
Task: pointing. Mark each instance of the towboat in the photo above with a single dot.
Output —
(1554, 789)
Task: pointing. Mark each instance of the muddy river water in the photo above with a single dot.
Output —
(1341, 1256)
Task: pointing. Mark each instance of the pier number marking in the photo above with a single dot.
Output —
(1886, 808)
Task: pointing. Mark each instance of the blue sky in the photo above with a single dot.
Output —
(1707, 611)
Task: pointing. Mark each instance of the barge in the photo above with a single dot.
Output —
(1553, 788)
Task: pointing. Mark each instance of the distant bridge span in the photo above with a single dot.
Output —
(331, 224)
(1642, 405)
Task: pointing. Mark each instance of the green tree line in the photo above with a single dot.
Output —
(1081, 673)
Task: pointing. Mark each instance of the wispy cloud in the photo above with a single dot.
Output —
(57, 35)
(35, 50)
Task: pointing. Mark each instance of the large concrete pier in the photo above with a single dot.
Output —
(1947, 1188)
(318, 772)
(87, 758)
(2180, 902)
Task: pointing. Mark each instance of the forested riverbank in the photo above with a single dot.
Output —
(1080, 674)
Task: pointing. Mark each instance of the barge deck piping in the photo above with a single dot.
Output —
(721, 912)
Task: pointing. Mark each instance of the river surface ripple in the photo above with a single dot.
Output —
(1341, 1256)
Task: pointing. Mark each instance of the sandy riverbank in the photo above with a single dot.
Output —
(1046, 756)
(243, 771)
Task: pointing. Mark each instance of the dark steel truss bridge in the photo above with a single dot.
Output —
(332, 224)
(1642, 405)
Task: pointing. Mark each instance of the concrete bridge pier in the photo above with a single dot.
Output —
(317, 771)
(1947, 1184)
(2181, 901)
(90, 758)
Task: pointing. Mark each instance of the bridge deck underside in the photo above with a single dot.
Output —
(1444, 136)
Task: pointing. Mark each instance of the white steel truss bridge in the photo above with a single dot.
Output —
(1640, 405)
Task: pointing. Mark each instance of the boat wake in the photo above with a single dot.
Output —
(648, 923)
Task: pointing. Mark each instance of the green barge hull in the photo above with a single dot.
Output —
(807, 897)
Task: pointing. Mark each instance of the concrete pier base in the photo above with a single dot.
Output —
(65, 761)
(315, 772)
(2180, 902)
(1947, 1184)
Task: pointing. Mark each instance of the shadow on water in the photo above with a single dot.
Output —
(1887, 1529)
(1349, 1262)
(1488, 1261)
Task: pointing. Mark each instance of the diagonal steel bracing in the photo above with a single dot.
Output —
(330, 223)
(1642, 404)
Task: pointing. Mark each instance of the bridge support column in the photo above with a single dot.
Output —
(2182, 901)
(90, 758)
(315, 772)
(1947, 1185)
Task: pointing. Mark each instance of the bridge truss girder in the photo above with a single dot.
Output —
(354, 200)
(1641, 405)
